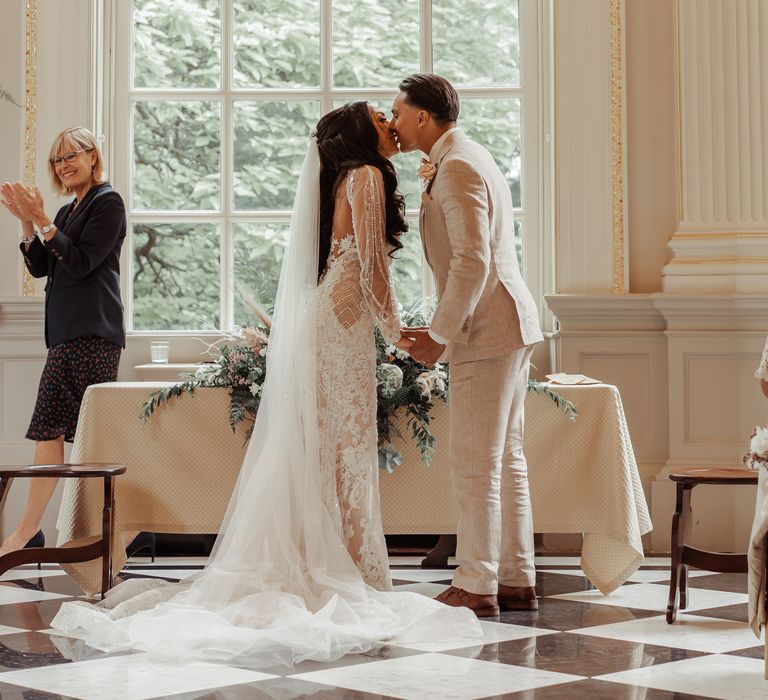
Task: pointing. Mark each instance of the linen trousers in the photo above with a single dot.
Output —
(489, 473)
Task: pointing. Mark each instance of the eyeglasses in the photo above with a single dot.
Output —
(68, 157)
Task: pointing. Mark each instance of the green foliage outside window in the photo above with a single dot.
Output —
(177, 143)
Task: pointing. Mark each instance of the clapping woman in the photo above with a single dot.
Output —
(79, 254)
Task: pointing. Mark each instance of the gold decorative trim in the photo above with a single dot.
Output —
(30, 114)
(617, 145)
(725, 235)
(718, 261)
(679, 89)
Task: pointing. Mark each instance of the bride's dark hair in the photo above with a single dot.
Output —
(347, 139)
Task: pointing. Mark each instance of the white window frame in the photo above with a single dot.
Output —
(119, 96)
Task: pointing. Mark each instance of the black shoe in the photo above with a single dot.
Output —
(142, 541)
(37, 541)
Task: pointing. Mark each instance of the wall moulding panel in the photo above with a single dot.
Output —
(619, 339)
(590, 146)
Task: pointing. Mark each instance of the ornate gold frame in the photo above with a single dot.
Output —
(30, 114)
(617, 145)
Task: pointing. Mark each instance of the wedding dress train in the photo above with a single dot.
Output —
(299, 570)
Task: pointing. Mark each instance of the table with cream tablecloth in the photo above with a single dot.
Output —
(182, 466)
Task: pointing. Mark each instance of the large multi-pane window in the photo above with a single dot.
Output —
(220, 96)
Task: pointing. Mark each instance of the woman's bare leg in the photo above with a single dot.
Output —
(40, 492)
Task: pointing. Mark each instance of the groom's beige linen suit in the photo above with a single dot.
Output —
(489, 321)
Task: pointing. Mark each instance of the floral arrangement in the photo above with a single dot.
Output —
(758, 449)
(403, 385)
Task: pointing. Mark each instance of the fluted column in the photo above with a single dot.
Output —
(721, 243)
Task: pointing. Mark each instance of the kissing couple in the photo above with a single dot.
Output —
(300, 568)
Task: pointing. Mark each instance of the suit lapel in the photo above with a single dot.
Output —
(82, 206)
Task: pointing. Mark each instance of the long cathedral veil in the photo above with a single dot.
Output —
(280, 586)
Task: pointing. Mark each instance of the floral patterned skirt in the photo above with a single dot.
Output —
(71, 367)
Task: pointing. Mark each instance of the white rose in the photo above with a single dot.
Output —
(255, 389)
(426, 383)
(759, 443)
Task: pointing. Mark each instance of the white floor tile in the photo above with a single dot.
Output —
(130, 677)
(30, 574)
(422, 575)
(640, 576)
(688, 632)
(10, 594)
(426, 676)
(718, 676)
(558, 561)
(162, 573)
(493, 633)
(653, 596)
(651, 575)
(176, 562)
(414, 561)
(428, 589)
(657, 561)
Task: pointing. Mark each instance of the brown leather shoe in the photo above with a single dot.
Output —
(481, 605)
(518, 598)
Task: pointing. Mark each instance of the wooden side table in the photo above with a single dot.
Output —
(67, 555)
(684, 555)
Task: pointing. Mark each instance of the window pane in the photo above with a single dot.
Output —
(259, 249)
(407, 168)
(476, 42)
(176, 276)
(176, 151)
(270, 142)
(276, 43)
(406, 267)
(176, 44)
(375, 43)
(496, 125)
(519, 244)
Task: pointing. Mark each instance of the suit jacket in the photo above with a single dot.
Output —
(467, 229)
(82, 264)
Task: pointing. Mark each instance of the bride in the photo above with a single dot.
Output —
(300, 569)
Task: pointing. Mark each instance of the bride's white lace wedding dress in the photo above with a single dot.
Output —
(300, 569)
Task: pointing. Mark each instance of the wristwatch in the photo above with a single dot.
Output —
(46, 229)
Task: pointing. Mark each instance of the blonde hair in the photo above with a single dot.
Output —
(76, 138)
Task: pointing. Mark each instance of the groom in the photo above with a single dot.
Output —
(485, 325)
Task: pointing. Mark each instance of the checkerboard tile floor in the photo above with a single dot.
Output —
(579, 644)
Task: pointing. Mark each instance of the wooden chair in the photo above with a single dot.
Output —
(67, 555)
(684, 555)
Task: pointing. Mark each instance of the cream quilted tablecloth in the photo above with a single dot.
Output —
(183, 463)
(583, 478)
(181, 467)
(756, 556)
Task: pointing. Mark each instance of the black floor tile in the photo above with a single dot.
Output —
(577, 654)
(565, 615)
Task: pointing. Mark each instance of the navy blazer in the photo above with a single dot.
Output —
(82, 264)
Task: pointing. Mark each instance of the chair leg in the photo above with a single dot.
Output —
(107, 533)
(679, 525)
(686, 538)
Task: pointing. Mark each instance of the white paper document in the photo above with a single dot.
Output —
(564, 378)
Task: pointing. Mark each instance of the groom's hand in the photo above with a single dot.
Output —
(423, 349)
